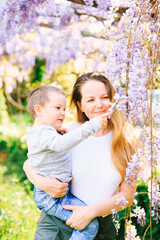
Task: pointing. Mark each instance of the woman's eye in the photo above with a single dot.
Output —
(105, 97)
(90, 100)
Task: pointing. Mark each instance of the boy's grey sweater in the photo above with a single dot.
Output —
(48, 150)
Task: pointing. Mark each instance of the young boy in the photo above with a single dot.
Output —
(48, 151)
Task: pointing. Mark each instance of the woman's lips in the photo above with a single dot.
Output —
(100, 112)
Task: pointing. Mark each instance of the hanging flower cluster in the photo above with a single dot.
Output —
(146, 139)
(20, 17)
(122, 201)
(89, 2)
(129, 63)
(17, 17)
(131, 232)
(154, 196)
(134, 167)
(140, 214)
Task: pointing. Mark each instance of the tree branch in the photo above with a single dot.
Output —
(14, 103)
(82, 2)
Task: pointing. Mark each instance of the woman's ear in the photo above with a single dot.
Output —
(37, 109)
(79, 105)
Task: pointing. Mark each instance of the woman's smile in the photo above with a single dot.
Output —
(100, 112)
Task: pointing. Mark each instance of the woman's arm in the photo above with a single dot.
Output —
(83, 215)
(51, 186)
(105, 207)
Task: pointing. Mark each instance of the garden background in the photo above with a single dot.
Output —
(53, 42)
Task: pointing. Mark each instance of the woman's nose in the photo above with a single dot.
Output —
(98, 103)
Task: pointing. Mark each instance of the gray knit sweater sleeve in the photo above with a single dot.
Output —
(59, 143)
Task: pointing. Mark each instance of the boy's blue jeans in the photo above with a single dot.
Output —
(53, 206)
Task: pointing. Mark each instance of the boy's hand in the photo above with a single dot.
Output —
(104, 119)
(62, 130)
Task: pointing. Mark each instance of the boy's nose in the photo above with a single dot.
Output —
(62, 112)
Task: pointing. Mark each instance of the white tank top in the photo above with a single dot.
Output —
(94, 177)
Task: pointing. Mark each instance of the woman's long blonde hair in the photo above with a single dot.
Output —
(124, 143)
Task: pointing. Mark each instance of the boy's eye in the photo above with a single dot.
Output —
(58, 108)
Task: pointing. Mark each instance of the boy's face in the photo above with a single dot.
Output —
(53, 112)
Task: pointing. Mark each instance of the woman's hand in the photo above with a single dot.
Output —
(54, 187)
(80, 218)
(51, 186)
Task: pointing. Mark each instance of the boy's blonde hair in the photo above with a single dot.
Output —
(40, 95)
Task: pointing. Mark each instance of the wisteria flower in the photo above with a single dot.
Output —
(141, 215)
(131, 232)
(114, 214)
(154, 197)
(134, 167)
(122, 201)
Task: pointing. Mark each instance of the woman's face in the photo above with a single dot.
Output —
(95, 99)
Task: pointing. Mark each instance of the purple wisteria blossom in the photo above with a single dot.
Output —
(21, 16)
(117, 225)
(130, 67)
(141, 215)
(155, 203)
(134, 167)
(146, 139)
(114, 214)
(103, 4)
(131, 232)
(129, 63)
(89, 2)
(122, 201)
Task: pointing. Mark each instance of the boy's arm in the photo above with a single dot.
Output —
(59, 143)
(51, 186)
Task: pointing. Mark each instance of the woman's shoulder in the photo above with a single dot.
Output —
(71, 126)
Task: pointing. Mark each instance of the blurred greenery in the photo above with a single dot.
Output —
(38, 71)
(16, 153)
(18, 212)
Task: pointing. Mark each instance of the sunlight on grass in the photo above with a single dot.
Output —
(18, 212)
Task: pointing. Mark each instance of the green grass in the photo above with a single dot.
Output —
(18, 212)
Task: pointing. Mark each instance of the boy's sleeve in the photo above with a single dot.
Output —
(59, 143)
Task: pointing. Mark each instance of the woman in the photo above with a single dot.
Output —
(98, 166)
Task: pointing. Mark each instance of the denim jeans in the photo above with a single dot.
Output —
(54, 207)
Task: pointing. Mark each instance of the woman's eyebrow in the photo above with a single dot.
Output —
(90, 96)
(103, 94)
